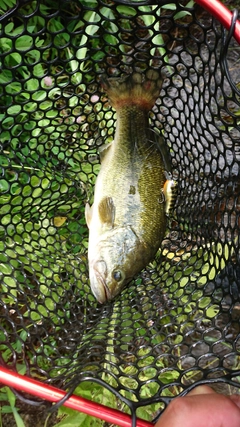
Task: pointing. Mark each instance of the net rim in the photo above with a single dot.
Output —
(222, 14)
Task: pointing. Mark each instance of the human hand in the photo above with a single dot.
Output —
(202, 407)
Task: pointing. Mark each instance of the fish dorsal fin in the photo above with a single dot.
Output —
(161, 144)
(88, 214)
(106, 210)
(103, 150)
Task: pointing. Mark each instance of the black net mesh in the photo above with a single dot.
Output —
(177, 324)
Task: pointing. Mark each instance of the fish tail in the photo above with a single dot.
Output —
(135, 89)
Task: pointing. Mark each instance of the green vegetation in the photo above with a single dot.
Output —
(7, 395)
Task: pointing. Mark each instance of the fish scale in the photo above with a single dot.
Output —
(127, 221)
(137, 166)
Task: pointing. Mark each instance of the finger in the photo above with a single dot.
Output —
(236, 399)
(201, 389)
(201, 410)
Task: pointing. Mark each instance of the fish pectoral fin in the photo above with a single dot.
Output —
(88, 214)
(103, 150)
(106, 210)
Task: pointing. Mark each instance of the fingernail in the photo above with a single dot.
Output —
(236, 399)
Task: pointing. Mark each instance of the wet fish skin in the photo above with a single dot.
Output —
(127, 220)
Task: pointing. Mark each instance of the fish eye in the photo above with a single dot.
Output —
(117, 275)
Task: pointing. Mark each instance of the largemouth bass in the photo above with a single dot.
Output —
(127, 220)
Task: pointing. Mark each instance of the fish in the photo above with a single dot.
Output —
(127, 220)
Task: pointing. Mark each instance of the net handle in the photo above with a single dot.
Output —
(53, 394)
(222, 14)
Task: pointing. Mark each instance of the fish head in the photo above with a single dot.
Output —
(114, 262)
(107, 280)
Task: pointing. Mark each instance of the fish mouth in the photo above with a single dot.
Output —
(103, 291)
(98, 282)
